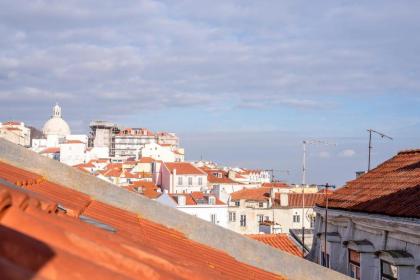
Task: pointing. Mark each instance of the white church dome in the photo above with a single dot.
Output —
(56, 125)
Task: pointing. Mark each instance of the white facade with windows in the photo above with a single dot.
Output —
(368, 246)
(182, 177)
(205, 207)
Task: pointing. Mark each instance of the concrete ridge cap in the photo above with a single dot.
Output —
(251, 252)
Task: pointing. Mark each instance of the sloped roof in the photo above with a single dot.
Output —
(148, 189)
(98, 239)
(184, 168)
(211, 178)
(275, 185)
(295, 199)
(257, 194)
(280, 241)
(392, 188)
(51, 150)
(196, 198)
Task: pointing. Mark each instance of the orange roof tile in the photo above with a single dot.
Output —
(257, 194)
(102, 240)
(51, 150)
(184, 168)
(218, 179)
(280, 241)
(295, 199)
(196, 198)
(275, 185)
(148, 189)
(146, 160)
(392, 188)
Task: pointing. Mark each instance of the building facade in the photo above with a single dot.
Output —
(16, 132)
(182, 177)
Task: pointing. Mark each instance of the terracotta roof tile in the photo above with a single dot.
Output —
(392, 188)
(257, 194)
(280, 241)
(51, 150)
(221, 177)
(295, 199)
(68, 247)
(184, 168)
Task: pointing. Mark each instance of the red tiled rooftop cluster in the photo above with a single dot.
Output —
(48, 231)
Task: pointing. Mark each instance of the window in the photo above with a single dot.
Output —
(232, 216)
(388, 271)
(179, 180)
(237, 203)
(325, 261)
(260, 218)
(261, 204)
(190, 181)
(213, 218)
(200, 180)
(354, 264)
(312, 222)
(296, 218)
(243, 220)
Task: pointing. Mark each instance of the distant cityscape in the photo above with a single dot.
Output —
(362, 230)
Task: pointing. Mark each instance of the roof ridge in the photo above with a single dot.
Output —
(409, 151)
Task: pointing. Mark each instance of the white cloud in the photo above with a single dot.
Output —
(347, 153)
(324, 154)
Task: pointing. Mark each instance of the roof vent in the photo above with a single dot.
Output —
(97, 223)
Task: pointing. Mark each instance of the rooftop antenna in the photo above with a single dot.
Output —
(370, 142)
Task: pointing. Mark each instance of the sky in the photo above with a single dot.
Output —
(243, 83)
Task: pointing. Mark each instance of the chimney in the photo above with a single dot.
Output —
(181, 200)
(284, 199)
(359, 173)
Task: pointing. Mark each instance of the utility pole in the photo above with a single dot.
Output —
(370, 142)
(326, 225)
(305, 142)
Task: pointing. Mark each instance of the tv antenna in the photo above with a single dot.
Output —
(370, 142)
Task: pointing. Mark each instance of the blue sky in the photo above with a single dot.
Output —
(242, 82)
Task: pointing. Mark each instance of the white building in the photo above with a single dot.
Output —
(73, 152)
(16, 132)
(373, 223)
(203, 206)
(251, 210)
(182, 177)
(164, 152)
(221, 185)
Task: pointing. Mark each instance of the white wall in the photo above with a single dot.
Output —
(72, 154)
(204, 212)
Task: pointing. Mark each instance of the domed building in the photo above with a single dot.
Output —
(56, 126)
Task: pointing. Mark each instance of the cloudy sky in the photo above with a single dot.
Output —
(242, 82)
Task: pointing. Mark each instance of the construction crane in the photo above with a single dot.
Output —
(370, 142)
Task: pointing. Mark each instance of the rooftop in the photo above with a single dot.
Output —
(279, 241)
(392, 188)
(183, 168)
(257, 194)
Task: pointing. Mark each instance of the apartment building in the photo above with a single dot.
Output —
(182, 177)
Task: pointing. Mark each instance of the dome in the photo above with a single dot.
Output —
(56, 125)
